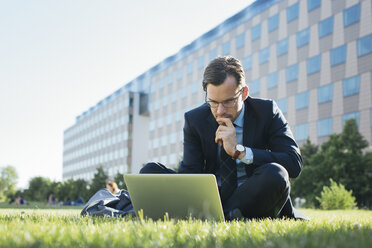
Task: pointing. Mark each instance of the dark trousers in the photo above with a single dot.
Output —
(264, 194)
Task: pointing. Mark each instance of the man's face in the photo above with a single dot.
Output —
(228, 93)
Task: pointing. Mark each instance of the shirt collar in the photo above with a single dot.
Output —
(239, 121)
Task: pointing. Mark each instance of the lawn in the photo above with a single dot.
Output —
(65, 228)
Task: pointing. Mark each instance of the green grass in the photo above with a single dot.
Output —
(65, 228)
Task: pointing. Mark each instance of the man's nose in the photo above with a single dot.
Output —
(220, 109)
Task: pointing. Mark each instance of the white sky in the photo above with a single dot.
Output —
(58, 58)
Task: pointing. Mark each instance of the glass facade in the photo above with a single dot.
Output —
(350, 86)
(256, 32)
(352, 15)
(338, 55)
(314, 64)
(325, 127)
(325, 27)
(303, 37)
(282, 47)
(325, 93)
(273, 23)
(364, 45)
(272, 80)
(302, 131)
(292, 12)
(291, 73)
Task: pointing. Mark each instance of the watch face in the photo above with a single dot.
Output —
(240, 148)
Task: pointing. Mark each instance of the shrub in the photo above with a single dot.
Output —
(336, 197)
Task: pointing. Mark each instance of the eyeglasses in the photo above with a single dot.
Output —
(230, 103)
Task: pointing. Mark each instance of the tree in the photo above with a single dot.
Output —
(72, 189)
(98, 182)
(340, 158)
(8, 181)
(39, 189)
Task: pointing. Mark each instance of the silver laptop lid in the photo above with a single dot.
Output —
(180, 196)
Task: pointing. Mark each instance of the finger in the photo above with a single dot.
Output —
(225, 122)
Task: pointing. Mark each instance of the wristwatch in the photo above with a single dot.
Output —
(239, 149)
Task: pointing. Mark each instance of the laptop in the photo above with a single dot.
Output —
(179, 196)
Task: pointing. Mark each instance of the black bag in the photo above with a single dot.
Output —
(104, 203)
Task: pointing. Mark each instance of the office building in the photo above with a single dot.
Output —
(314, 57)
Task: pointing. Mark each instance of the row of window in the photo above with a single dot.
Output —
(325, 27)
(97, 118)
(166, 139)
(98, 146)
(324, 126)
(109, 157)
(99, 131)
(181, 93)
(350, 86)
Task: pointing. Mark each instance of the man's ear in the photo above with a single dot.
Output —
(245, 93)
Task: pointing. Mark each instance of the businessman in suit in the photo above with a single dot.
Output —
(246, 142)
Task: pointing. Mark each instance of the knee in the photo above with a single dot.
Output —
(149, 168)
(276, 176)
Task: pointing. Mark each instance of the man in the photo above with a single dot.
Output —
(246, 142)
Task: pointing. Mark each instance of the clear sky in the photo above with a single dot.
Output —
(58, 58)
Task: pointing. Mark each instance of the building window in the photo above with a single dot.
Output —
(338, 55)
(179, 73)
(313, 64)
(324, 127)
(170, 78)
(161, 83)
(313, 4)
(190, 67)
(226, 48)
(352, 115)
(325, 93)
(247, 63)
(184, 92)
(283, 105)
(254, 87)
(201, 62)
(292, 12)
(302, 131)
(364, 45)
(212, 54)
(291, 73)
(194, 87)
(350, 86)
(282, 47)
(352, 15)
(256, 32)
(165, 101)
(240, 40)
(302, 100)
(273, 23)
(174, 96)
(272, 80)
(302, 37)
(264, 55)
(325, 27)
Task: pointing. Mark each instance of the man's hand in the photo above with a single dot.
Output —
(226, 135)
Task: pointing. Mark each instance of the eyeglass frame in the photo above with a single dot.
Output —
(235, 99)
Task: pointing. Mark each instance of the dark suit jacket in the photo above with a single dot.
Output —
(265, 131)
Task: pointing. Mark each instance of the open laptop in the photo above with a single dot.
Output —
(180, 196)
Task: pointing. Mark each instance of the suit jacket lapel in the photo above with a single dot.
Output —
(212, 146)
(249, 125)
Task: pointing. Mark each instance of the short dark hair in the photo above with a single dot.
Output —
(219, 68)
